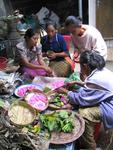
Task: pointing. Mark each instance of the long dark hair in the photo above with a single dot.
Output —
(50, 24)
(92, 59)
(29, 33)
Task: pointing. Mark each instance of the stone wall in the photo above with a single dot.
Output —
(104, 17)
(109, 43)
(2, 8)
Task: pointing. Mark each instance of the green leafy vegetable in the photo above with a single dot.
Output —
(34, 129)
(63, 114)
(58, 121)
(68, 127)
(49, 121)
(58, 100)
(46, 89)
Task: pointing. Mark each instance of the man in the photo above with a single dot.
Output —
(85, 37)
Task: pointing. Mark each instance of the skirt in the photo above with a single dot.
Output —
(31, 73)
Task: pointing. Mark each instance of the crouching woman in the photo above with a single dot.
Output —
(95, 98)
(55, 48)
(29, 56)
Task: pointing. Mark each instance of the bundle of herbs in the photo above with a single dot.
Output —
(58, 99)
(61, 121)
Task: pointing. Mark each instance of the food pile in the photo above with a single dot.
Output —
(38, 101)
(61, 121)
(57, 84)
(22, 90)
(58, 99)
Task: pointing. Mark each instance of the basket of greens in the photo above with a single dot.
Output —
(64, 126)
(57, 101)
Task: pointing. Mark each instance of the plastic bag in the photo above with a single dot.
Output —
(74, 77)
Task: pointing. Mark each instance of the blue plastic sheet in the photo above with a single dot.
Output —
(69, 146)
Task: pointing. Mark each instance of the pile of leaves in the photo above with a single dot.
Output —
(61, 121)
(13, 138)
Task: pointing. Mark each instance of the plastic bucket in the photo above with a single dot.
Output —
(3, 62)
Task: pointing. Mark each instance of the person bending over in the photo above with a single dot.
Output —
(94, 98)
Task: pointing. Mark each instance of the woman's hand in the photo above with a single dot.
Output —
(67, 106)
(71, 83)
(48, 70)
(52, 56)
(76, 56)
(80, 83)
(44, 54)
(62, 90)
(83, 76)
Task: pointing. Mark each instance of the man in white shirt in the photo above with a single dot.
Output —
(85, 37)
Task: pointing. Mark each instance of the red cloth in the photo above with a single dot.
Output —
(67, 39)
(97, 130)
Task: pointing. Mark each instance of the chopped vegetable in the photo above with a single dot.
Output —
(49, 121)
(58, 100)
(58, 121)
(34, 129)
(63, 114)
(68, 127)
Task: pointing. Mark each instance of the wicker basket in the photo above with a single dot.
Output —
(20, 113)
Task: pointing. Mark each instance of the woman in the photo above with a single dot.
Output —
(85, 37)
(54, 47)
(95, 97)
(29, 56)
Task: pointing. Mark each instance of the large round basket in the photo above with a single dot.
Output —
(20, 113)
(37, 99)
(63, 138)
(22, 90)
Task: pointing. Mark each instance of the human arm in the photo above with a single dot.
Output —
(80, 83)
(25, 62)
(40, 60)
(89, 97)
(86, 96)
(42, 63)
(54, 55)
